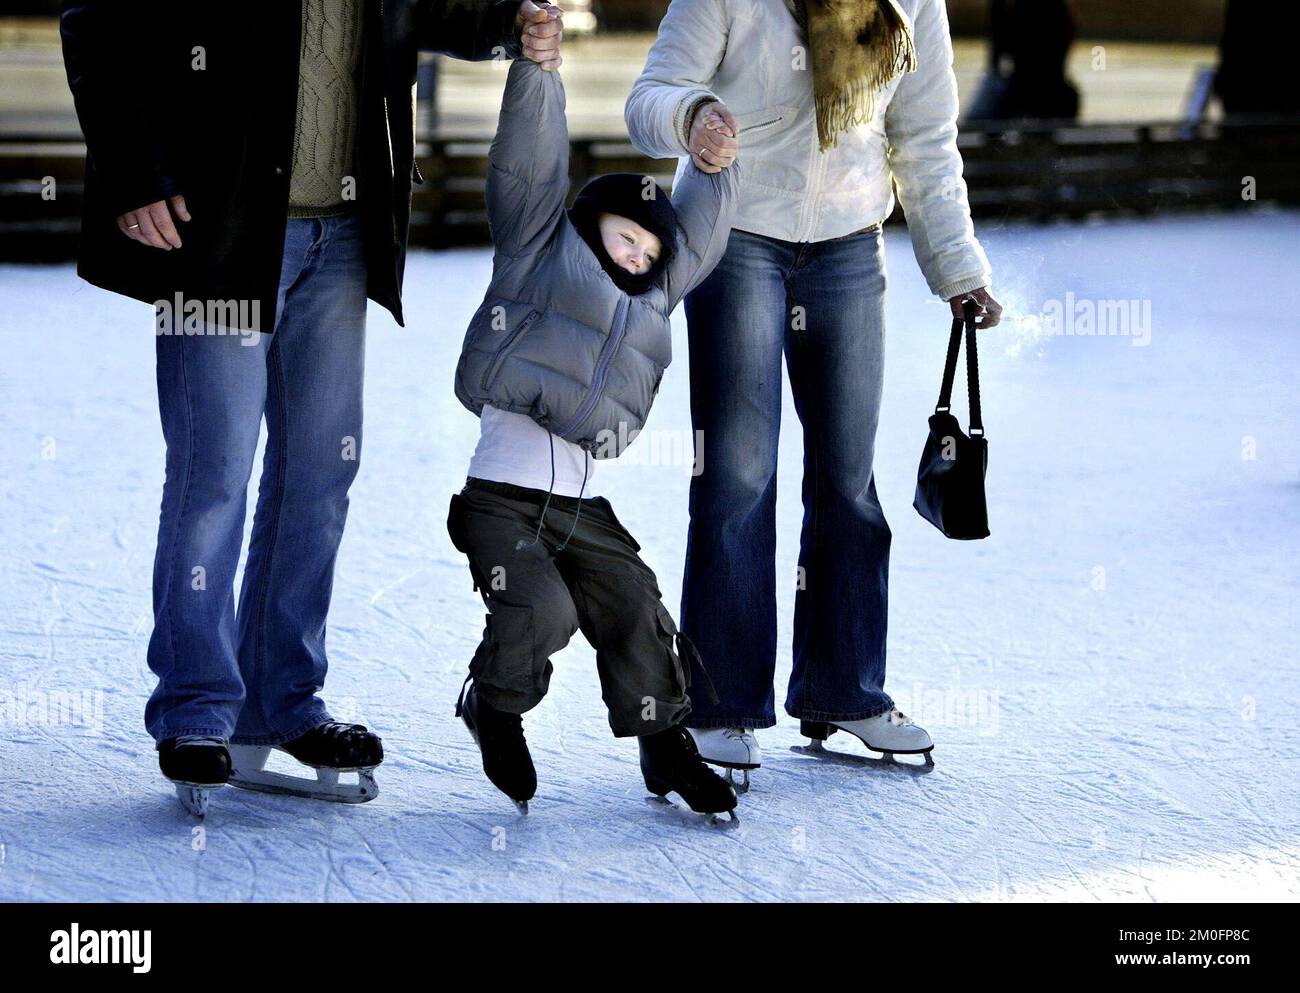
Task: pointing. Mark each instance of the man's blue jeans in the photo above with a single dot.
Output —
(821, 306)
(252, 674)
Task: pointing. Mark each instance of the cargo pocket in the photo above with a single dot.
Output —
(668, 635)
(455, 521)
(509, 663)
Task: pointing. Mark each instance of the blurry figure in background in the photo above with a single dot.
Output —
(1030, 41)
(1255, 70)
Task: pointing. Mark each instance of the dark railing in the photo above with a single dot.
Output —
(1036, 171)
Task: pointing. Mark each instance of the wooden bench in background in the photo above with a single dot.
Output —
(1037, 171)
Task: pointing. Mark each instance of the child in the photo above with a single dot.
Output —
(562, 362)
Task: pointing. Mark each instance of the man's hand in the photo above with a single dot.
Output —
(714, 137)
(990, 312)
(152, 225)
(540, 27)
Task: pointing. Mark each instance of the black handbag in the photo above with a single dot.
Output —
(950, 479)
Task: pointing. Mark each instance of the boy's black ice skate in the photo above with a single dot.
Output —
(671, 763)
(197, 765)
(329, 748)
(500, 737)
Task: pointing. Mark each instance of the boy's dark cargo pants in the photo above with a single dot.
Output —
(538, 597)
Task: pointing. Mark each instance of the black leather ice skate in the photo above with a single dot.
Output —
(197, 765)
(329, 748)
(500, 736)
(671, 763)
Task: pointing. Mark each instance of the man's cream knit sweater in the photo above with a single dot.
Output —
(327, 108)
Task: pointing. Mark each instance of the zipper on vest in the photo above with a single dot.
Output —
(495, 366)
(388, 128)
(388, 133)
(602, 367)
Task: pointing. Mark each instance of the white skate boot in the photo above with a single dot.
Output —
(892, 733)
(729, 748)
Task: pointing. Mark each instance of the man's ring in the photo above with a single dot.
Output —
(132, 227)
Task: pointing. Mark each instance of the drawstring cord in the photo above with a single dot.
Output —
(578, 515)
(687, 647)
(541, 518)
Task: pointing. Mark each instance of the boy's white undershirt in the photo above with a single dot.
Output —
(513, 448)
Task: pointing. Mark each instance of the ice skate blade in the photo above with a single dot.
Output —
(194, 798)
(729, 823)
(249, 773)
(743, 785)
(884, 759)
(744, 769)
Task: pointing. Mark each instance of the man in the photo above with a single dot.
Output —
(249, 171)
(836, 102)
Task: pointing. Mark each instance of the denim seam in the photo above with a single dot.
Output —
(281, 737)
(185, 499)
(751, 723)
(827, 715)
(264, 580)
(207, 731)
(809, 667)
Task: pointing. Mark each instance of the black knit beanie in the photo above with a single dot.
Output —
(624, 193)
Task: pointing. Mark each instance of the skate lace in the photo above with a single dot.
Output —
(899, 718)
(735, 734)
(348, 732)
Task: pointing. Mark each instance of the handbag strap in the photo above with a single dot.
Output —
(967, 321)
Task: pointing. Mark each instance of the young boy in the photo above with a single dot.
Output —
(562, 362)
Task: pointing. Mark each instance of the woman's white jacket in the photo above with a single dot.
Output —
(750, 54)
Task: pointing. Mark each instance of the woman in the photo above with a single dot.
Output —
(834, 101)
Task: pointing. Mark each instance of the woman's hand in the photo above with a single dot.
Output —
(152, 225)
(714, 141)
(990, 312)
(540, 27)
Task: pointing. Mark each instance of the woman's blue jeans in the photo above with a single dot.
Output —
(252, 674)
(820, 306)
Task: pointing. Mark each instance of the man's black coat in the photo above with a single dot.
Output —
(201, 99)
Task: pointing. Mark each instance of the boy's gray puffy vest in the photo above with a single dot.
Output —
(554, 337)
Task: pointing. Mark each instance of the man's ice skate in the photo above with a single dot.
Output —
(892, 733)
(197, 765)
(500, 737)
(729, 748)
(671, 763)
(330, 749)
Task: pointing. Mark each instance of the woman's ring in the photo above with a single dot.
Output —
(132, 227)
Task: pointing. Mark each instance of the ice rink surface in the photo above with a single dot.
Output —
(1112, 679)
